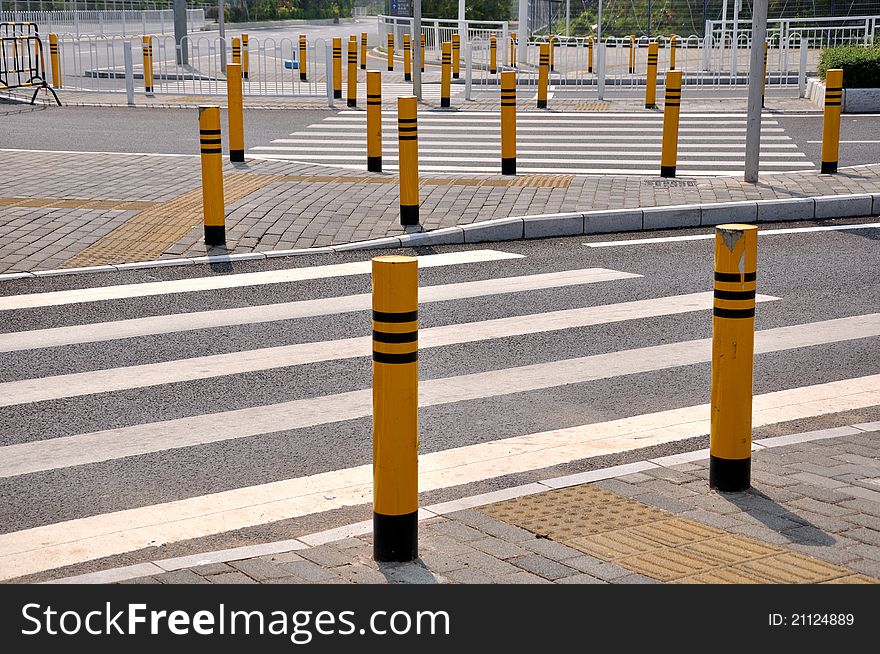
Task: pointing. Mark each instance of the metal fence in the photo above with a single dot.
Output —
(158, 21)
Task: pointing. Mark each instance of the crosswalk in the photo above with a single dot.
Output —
(557, 143)
(171, 408)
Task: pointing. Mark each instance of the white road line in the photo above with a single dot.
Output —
(179, 322)
(703, 237)
(708, 159)
(493, 119)
(538, 134)
(708, 130)
(182, 370)
(493, 144)
(847, 142)
(140, 439)
(79, 296)
(74, 541)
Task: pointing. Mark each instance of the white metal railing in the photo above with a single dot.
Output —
(149, 21)
(440, 30)
(822, 32)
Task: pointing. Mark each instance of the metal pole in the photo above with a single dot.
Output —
(600, 67)
(649, 19)
(723, 41)
(328, 61)
(802, 69)
(523, 32)
(737, 5)
(417, 49)
(129, 72)
(756, 82)
(568, 17)
(599, 29)
(180, 31)
(221, 18)
(468, 70)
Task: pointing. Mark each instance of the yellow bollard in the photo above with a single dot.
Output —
(733, 346)
(651, 82)
(303, 54)
(351, 96)
(508, 122)
(147, 44)
(672, 45)
(235, 112)
(590, 55)
(456, 56)
(391, 52)
(337, 68)
(552, 41)
(407, 58)
(671, 109)
(236, 50)
(55, 56)
(543, 74)
(408, 162)
(212, 175)
(446, 65)
(493, 55)
(374, 121)
(395, 408)
(831, 121)
(423, 53)
(245, 58)
(764, 78)
(632, 53)
(512, 54)
(363, 50)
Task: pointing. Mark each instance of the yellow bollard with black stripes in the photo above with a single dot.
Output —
(147, 46)
(212, 175)
(303, 55)
(337, 68)
(391, 52)
(632, 53)
(590, 55)
(552, 42)
(423, 53)
(407, 58)
(352, 82)
(508, 122)
(671, 110)
(374, 121)
(673, 43)
(651, 82)
(512, 54)
(235, 114)
(236, 50)
(543, 74)
(445, 73)
(245, 57)
(363, 50)
(55, 57)
(831, 120)
(395, 408)
(733, 347)
(764, 77)
(493, 55)
(456, 56)
(408, 162)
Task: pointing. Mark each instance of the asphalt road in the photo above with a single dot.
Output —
(817, 276)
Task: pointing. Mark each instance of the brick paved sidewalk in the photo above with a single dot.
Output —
(812, 516)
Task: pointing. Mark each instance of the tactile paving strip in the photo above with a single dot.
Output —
(520, 181)
(73, 203)
(658, 544)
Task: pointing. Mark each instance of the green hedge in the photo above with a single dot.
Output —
(861, 66)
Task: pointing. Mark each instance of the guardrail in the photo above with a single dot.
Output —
(22, 60)
(155, 21)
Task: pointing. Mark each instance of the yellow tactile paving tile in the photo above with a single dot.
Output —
(668, 564)
(792, 568)
(674, 532)
(76, 203)
(613, 545)
(520, 181)
(853, 579)
(729, 550)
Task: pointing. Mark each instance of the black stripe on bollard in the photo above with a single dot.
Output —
(736, 277)
(409, 214)
(215, 234)
(731, 475)
(667, 171)
(374, 164)
(401, 537)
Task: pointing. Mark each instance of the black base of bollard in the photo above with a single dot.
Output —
(396, 537)
(409, 214)
(829, 167)
(374, 164)
(390, 69)
(407, 77)
(542, 104)
(303, 77)
(492, 71)
(215, 234)
(337, 95)
(454, 75)
(444, 102)
(650, 106)
(667, 171)
(729, 475)
(351, 103)
(508, 166)
(236, 156)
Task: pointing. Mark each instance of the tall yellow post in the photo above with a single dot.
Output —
(651, 82)
(764, 77)
(512, 46)
(632, 53)
(391, 52)
(831, 121)
(407, 58)
(672, 45)
(245, 57)
(374, 121)
(337, 68)
(508, 122)
(671, 109)
(590, 54)
(212, 175)
(395, 408)
(352, 83)
(493, 55)
(408, 163)
(55, 57)
(733, 346)
(147, 45)
(552, 42)
(363, 50)
(236, 50)
(543, 74)
(235, 114)
(456, 56)
(423, 52)
(445, 70)
(303, 55)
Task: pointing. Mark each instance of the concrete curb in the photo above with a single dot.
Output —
(361, 528)
(576, 223)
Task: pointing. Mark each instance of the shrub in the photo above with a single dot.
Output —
(861, 66)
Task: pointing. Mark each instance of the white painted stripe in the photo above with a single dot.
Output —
(74, 541)
(636, 121)
(111, 444)
(611, 114)
(704, 237)
(860, 142)
(182, 370)
(106, 331)
(389, 135)
(79, 296)
(494, 144)
(497, 128)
